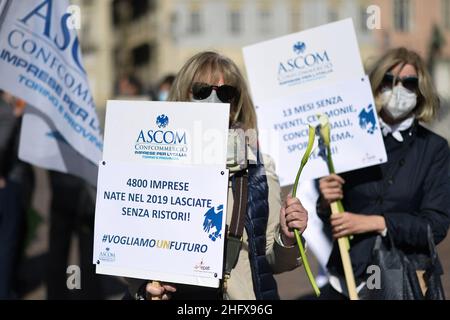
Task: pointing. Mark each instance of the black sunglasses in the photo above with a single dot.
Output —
(410, 83)
(226, 93)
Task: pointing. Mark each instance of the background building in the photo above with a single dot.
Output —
(150, 38)
(423, 26)
(97, 43)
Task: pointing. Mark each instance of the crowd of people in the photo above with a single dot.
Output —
(72, 208)
(403, 204)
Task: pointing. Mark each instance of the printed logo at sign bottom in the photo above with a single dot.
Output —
(202, 267)
(369, 158)
(212, 224)
(107, 255)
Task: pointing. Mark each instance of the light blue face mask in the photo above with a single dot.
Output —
(163, 95)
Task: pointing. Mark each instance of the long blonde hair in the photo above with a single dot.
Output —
(208, 67)
(427, 97)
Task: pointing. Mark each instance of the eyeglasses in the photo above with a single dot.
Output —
(410, 83)
(226, 93)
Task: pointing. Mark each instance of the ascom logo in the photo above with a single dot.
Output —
(107, 255)
(42, 21)
(161, 136)
(161, 143)
(305, 66)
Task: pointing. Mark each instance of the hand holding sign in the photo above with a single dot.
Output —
(159, 291)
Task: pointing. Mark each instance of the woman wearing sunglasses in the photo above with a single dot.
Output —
(267, 242)
(400, 198)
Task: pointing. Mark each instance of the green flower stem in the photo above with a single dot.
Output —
(306, 263)
(330, 163)
(297, 234)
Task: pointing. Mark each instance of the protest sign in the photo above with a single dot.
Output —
(303, 61)
(317, 71)
(41, 56)
(166, 132)
(162, 192)
(161, 222)
(355, 136)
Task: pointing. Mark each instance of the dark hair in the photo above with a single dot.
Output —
(133, 80)
(168, 79)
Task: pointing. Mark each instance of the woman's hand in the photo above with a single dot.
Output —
(292, 216)
(345, 224)
(331, 188)
(159, 291)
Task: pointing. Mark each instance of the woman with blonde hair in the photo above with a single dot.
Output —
(404, 197)
(260, 239)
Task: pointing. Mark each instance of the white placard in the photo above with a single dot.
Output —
(356, 139)
(161, 222)
(302, 75)
(303, 61)
(166, 132)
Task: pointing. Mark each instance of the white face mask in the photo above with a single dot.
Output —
(235, 156)
(213, 98)
(399, 102)
(236, 148)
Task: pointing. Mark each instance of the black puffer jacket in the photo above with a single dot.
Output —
(411, 191)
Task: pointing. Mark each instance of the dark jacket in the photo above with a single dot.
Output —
(264, 284)
(8, 132)
(11, 168)
(411, 191)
